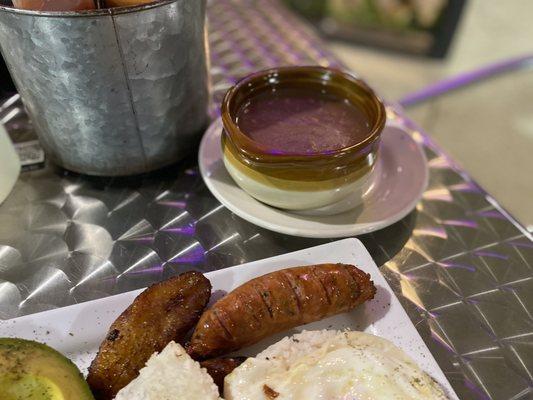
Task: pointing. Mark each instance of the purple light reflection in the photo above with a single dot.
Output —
(470, 268)
(461, 222)
(479, 393)
(276, 152)
(188, 230)
(158, 269)
(194, 255)
(491, 214)
(491, 254)
(439, 339)
(527, 245)
(174, 203)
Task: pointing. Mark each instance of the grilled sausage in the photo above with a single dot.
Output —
(218, 368)
(276, 302)
(164, 312)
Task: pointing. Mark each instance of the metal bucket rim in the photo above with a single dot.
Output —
(86, 13)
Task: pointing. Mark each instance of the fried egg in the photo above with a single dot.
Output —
(331, 365)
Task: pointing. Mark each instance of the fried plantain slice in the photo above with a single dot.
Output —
(164, 312)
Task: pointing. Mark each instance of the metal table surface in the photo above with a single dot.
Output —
(461, 266)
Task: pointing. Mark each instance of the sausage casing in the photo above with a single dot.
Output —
(276, 302)
(164, 312)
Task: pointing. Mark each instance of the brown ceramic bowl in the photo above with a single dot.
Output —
(300, 181)
(55, 5)
(127, 3)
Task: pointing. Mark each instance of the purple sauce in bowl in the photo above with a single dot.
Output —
(302, 121)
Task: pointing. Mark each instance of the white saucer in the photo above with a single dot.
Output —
(400, 179)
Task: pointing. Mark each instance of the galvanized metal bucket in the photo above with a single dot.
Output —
(111, 92)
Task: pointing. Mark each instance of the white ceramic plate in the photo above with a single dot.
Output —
(400, 179)
(77, 330)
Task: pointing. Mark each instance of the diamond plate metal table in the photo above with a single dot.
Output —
(462, 267)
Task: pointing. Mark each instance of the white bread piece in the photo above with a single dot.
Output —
(171, 375)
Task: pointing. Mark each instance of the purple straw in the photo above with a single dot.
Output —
(466, 78)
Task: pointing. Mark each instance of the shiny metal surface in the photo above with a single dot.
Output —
(111, 92)
(460, 265)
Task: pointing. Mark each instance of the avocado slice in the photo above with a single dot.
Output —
(34, 371)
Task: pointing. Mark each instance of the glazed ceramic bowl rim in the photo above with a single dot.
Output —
(258, 152)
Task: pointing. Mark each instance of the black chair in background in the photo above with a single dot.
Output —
(6, 84)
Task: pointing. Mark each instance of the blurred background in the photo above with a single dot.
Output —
(423, 27)
(402, 46)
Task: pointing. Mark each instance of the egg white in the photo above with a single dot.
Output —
(331, 365)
